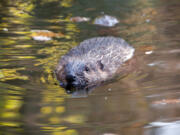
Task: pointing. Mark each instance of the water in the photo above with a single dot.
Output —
(146, 102)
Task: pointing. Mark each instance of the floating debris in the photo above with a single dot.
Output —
(149, 52)
(45, 35)
(106, 20)
(79, 19)
(5, 29)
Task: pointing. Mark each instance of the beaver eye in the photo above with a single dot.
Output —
(87, 69)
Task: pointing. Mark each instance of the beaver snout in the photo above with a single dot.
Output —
(70, 78)
(69, 82)
(73, 83)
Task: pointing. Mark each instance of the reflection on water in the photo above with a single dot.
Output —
(33, 36)
(164, 128)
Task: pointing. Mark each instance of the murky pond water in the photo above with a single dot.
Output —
(35, 33)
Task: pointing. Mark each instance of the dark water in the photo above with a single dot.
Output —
(146, 102)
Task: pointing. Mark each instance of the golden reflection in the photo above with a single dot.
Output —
(54, 108)
(46, 110)
(21, 32)
(51, 128)
(60, 130)
(54, 99)
(10, 124)
(48, 1)
(7, 41)
(21, 9)
(71, 27)
(54, 52)
(24, 57)
(52, 96)
(52, 111)
(10, 74)
(67, 132)
(11, 108)
(18, 13)
(1, 74)
(60, 109)
(54, 120)
(10, 105)
(23, 46)
(78, 119)
(3, 25)
(10, 115)
(66, 3)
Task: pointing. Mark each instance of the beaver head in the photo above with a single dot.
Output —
(80, 75)
(92, 62)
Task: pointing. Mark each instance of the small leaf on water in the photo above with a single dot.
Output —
(45, 35)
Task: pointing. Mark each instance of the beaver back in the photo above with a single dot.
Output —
(111, 51)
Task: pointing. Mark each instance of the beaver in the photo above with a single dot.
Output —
(93, 62)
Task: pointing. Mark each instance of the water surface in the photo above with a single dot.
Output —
(146, 102)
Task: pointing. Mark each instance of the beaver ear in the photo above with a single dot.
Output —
(101, 66)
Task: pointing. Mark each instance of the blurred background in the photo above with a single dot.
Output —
(34, 34)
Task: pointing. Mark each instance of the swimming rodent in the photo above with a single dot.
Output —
(93, 62)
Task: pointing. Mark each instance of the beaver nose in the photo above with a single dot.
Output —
(70, 78)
